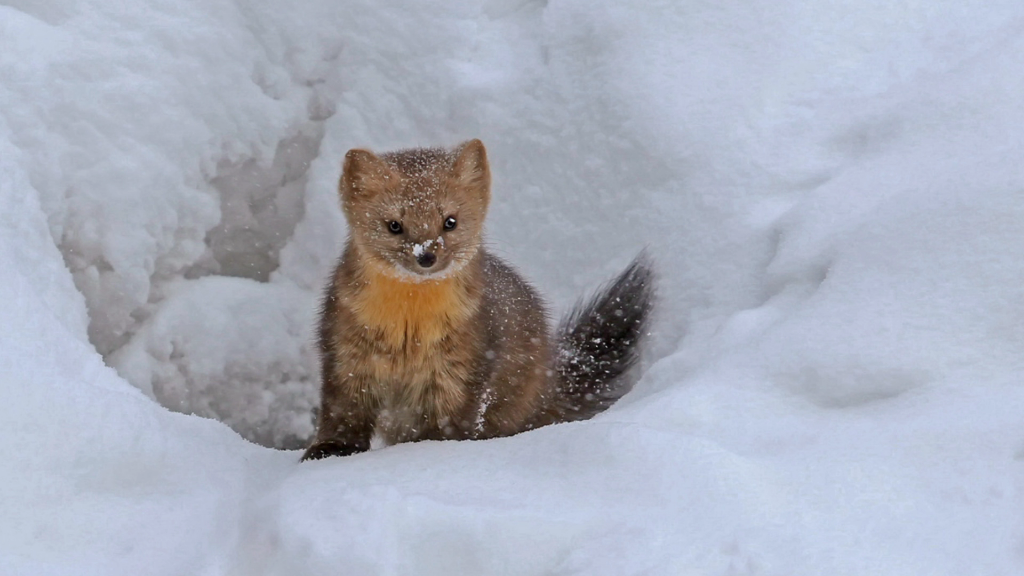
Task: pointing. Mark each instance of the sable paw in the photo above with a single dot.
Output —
(330, 448)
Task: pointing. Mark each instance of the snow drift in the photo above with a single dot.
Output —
(833, 194)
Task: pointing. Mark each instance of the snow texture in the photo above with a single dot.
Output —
(833, 193)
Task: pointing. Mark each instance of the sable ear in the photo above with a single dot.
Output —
(363, 174)
(471, 169)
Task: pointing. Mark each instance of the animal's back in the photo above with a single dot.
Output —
(518, 351)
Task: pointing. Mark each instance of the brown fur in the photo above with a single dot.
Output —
(461, 354)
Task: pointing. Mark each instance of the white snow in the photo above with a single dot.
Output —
(419, 249)
(833, 192)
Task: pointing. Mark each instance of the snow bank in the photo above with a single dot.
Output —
(833, 193)
(96, 478)
(164, 141)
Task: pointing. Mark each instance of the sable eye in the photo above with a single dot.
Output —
(449, 223)
(395, 227)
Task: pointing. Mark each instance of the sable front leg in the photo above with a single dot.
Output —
(346, 420)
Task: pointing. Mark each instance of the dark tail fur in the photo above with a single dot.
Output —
(599, 341)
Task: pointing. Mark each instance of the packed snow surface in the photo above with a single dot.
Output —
(833, 193)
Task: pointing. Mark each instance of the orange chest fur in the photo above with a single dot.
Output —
(418, 313)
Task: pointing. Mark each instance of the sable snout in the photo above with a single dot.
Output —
(426, 259)
(426, 253)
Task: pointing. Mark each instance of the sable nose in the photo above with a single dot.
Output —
(426, 259)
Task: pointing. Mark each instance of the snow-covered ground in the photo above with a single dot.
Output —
(834, 193)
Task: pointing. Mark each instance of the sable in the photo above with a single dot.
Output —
(425, 335)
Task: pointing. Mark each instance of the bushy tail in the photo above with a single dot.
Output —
(599, 341)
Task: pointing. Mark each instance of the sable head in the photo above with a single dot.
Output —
(418, 213)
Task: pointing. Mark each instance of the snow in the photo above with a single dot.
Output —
(832, 192)
(419, 249)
